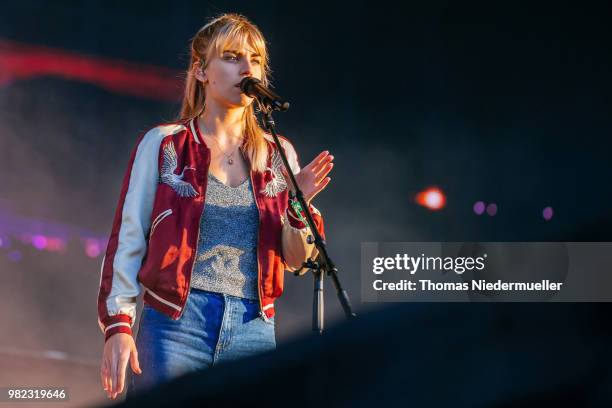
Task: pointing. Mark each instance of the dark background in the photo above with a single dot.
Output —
(500, 102)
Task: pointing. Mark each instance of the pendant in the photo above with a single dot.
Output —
(230, 161)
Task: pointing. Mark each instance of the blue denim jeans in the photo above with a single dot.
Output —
(214, 328)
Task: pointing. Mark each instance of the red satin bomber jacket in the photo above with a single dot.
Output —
(155, 231)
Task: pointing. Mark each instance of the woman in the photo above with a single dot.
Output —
(204, 224)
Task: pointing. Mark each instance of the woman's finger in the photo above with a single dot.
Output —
(324, 171)
(320, 186)
(322, 164)
(103, 375)
(317, 189)
(323, 183)
(109, 385)
(109, 381)
(106, 384)
(321, 161)
(114, 368)
(321, 156)
(106, 381)
(121, 373)
(134, 363)
(317, 160)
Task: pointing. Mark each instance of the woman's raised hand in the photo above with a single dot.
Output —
(118, 349)
(312, 179)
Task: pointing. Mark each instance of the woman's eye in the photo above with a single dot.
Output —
(230, 57)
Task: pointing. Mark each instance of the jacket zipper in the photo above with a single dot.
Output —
(192, 265)
(194, 261)
(198, 236)
(261, 312)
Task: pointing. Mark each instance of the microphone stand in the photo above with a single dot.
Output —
(324, 264)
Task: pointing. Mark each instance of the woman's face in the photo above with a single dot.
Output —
(223, 74)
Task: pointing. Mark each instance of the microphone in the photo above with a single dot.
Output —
(254, 88)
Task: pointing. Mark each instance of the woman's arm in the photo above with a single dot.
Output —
(127, 244)
(311, 180)
(296, 249)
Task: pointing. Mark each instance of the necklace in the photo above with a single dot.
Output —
(229, 157)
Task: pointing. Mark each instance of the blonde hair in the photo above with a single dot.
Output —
(220, 33)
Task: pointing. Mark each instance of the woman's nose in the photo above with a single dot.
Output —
(247, 68)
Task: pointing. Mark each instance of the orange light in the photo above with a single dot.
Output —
(432, 198)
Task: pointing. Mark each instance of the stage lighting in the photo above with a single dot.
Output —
(492, 209)
(479, 207)
(432, 198)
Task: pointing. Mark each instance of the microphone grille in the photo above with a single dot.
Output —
(247, 83)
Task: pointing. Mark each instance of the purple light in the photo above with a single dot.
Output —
(14, 256)
(547, 213)
(92, 248)
(5, 242)
(492, 209)
(26, 238)
(56, 244)
(39, 241)
(479, 207)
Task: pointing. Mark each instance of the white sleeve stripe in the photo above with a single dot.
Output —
(110, 326)
(136, 221)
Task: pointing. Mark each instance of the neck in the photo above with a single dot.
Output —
(225, 125)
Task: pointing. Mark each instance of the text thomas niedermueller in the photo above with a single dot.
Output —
(476, 285)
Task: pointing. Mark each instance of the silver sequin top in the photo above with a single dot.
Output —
(226, 261)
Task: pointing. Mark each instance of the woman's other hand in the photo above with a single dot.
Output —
(118, 349)
(312, 179)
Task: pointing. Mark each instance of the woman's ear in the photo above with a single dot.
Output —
(198, 72)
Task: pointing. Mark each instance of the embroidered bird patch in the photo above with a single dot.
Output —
(167, 176)
(278, 183)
